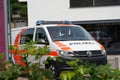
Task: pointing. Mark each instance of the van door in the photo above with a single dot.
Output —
(22, 37)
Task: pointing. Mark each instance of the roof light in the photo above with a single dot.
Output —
(67, 22)
(39, 22)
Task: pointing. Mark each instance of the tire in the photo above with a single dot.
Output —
(53, 67)
(105, 62)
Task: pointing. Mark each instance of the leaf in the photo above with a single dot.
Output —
(1, 56)
(67, 75)
(80, 70)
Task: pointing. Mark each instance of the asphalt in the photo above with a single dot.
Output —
(114, 60)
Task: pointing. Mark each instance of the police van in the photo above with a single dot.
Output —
(65, 40)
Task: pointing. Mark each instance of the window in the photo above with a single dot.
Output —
(27, 36)
(40, 35)
(91, 3)
(81, 3)
(106, 2)
(69, 33)
(20, 23)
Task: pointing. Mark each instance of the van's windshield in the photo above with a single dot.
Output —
(68, 33)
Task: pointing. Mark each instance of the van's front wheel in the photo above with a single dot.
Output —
(53, 67)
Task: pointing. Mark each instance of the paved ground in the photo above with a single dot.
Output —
(114, 60)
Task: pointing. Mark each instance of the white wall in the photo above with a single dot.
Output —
(57, 10)
(22, 0)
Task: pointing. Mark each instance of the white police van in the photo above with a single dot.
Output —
(66, 41)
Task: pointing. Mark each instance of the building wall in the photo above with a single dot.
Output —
(22, 0)
(57, 10)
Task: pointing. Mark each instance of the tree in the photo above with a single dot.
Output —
(17, 7)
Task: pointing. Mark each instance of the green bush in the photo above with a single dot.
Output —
(2, 61)
(88, 71)
(32, 71)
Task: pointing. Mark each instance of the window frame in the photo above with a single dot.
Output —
(46, 41)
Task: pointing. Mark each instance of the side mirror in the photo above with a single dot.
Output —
(42, 41)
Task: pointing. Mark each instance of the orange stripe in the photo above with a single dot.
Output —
(101, 46)
(59, 44)
(63, 25)
(20, 62)
(66, 48)
(53, 53)
(16, 42)
(19, 52)
(17, 56)
(62, 46)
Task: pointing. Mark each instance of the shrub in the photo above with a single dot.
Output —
(1, 61)
(32, 71)
(89, 71)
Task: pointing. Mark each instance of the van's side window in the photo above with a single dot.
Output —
(27, 36)
(40, 35)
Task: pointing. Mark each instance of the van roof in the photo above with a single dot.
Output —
(43, 25)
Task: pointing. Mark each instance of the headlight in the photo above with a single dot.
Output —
(103, 52)
(65, 53)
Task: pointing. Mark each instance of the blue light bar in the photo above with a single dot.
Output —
(67, 22)
(39, 22)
